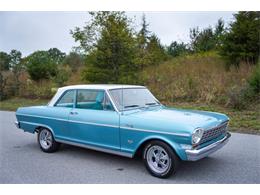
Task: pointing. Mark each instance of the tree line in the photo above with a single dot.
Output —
(112, 50)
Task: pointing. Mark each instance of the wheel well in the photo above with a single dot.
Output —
(37, 129)
(140, 149)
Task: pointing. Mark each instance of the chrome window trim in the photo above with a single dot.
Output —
(75, 98)
(143, 87)
(77, 91)
(111, 100)
(113, 126)
(61, 96)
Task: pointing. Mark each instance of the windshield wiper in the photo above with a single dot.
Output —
(131, 106)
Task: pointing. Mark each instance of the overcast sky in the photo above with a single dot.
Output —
(31, 31)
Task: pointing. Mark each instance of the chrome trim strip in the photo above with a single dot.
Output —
(96, 148)
(38, 124)
(38, 116)
(73, 121)
(154, 131)
(219, 125)
(113, 126)
(196, 154)
(96, 124)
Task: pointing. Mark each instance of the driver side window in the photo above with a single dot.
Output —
(93, 99)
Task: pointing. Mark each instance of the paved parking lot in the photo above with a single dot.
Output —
(21, 161)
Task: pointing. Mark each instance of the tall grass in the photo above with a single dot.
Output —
(197, 78)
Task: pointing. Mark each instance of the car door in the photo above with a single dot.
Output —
(93, 120)
(59, 114)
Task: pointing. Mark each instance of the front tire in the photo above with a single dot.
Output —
(160, 159)
(46, 141)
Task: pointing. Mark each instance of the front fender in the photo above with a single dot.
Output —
(174, 145)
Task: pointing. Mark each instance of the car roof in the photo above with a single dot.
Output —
(100, 86)
(92, 86)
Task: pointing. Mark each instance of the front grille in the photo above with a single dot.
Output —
(214, 132)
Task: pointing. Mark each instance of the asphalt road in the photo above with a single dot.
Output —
(21, 161)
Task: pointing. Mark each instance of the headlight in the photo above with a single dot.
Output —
(197, 135)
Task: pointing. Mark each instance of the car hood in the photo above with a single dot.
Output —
(176, 119)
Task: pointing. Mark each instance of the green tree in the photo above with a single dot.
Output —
(208, 38)
(109, 44)
(16, 66)
(74, 61)
(2, 86)
(219, 33)
(4, 61)
(176, 49)
(142, 42)
(149, 48)
(40, 65)
(203, 40)
(156, 52)
(4, 66)
(143, 34)
(241, 42)
(56, 55)
(15, 61)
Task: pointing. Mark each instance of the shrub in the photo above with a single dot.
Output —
(62, 75)
(254, 80)
(42, 89)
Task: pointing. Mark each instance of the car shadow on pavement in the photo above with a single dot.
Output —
(187, 172)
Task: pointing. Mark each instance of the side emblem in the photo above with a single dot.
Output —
(130, 141)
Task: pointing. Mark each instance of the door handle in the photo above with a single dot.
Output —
(129, 125)
(73, 113)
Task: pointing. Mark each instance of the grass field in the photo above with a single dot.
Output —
(14, 103)
(244, 121)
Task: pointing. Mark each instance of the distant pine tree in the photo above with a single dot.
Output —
(242, 40)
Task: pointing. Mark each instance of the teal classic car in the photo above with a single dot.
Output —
(125, 120)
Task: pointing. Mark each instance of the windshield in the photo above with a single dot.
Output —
(133, 98)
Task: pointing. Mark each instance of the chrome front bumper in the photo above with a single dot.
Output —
(17, 124)
(196, 154)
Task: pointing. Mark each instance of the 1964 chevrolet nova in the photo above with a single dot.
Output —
(125, 120)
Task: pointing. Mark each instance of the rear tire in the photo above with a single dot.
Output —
(160, 159)
(46, 141)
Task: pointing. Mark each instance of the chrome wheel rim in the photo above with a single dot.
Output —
(45, 139)
(158, 159)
